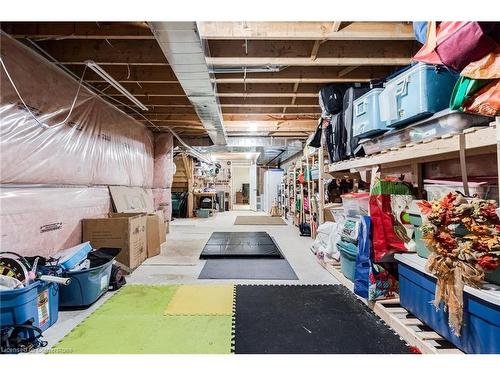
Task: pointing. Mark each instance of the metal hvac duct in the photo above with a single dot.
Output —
(185, 52)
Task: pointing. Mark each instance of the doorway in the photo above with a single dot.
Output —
(240, 186)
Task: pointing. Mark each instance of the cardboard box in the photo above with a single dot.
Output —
(126, 231)
(137, 200)
(156, 233)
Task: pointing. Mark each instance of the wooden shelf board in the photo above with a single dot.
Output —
(477, 140)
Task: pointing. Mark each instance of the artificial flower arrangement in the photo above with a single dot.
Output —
(463, 235)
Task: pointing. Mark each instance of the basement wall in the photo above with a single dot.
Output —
(55, 169)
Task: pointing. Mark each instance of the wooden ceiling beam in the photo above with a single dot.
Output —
(306, 30)
(276, 101)
(302, 49)
(306, 61)
(78, 30)
(105, 52)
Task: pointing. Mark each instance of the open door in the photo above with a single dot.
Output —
(253, 186)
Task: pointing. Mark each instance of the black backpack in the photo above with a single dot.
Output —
(331, 97)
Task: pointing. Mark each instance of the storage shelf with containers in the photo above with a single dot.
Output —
(408, 134)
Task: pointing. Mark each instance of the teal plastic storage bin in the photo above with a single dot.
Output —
(348, 253)
(38, 302)
(202, 213)
(421, 247)
(88, 285)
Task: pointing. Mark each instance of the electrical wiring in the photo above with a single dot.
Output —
(45, 126)
(96, 90)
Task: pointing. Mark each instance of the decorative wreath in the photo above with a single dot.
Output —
(463, 237)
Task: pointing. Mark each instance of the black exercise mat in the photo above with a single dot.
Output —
(254, 269)
(308, 319)
(240, 245)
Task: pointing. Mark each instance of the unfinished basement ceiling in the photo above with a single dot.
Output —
(266, 75)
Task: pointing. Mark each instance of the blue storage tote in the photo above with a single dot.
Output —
(88, 285)
(38, 301)
(348, 253)
(480, 332)
(417, 93)
(366, 122)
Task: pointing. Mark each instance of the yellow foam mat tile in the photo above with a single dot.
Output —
(202, 300)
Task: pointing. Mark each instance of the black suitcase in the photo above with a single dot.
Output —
(330, 98)
(335, 138)
(351, 94)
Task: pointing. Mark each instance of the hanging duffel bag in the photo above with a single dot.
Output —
(331, 97)
(464, 88)
(316, 139)
(456, 44)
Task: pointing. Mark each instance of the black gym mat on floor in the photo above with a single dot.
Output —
(308, 319)
(251, 269)
(240, 245)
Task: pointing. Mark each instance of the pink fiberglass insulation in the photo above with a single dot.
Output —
(163, 160)
(163, 201)
(42, 221)
(97, 145)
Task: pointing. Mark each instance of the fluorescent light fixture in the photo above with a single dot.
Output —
(104, 75)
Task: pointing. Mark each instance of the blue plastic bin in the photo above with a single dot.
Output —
(348, 252)
(38, 302)
(417, 93)
(480, 332)
(86, 286)
(366, 122)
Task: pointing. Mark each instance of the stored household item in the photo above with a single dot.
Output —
(315, 140)
(336, 138)
(420, 31)
(348, 115)
(117, 279)
(480, 333)
(126, 231)
(203, 213)
(367, 122)
(20, 338)
(37, 302)
(484, 68)
(356, 204)
(88, 285)
(456, 44)
(415, 219)
(388, 200)
(371, 280)
(445, 122)
(330, 98)
(493, 276)
(485, 101)
(417, 93)
(348, 253)
(206, 203)
(69, 258)
(464, 88)
(437, 189)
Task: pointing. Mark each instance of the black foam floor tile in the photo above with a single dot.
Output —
(298, 319)
(240, 244)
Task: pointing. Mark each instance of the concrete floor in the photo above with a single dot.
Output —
(197, 232)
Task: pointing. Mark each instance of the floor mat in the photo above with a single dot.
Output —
(259, 220)
(178, 252)
(202, 300)
(133, 322)
(240, 244)
(257, 269)
(308, 319)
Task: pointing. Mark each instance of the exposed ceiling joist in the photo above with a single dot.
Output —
(306, 30)
(79, 30)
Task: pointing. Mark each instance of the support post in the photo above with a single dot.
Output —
(463, 163)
